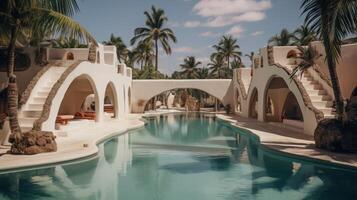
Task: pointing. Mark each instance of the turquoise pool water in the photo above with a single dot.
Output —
(183, 157)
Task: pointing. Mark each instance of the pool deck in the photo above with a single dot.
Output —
(289, 141)
(71, 143)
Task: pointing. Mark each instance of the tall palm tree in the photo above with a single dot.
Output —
(155, 31)
(228, 47)
(36, 15)
(236, 64)
(304, 35)
(190, 67)
(122, 51)
(285, 38)
(250, 56)
(217, 65)
(332, 20)
(144, 54)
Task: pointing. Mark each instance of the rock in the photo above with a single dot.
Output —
(332, 135)
(34, 142)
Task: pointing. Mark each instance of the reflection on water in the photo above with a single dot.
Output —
(182, 157)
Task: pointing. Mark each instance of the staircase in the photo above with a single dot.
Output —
(318, 95)
(32, 110)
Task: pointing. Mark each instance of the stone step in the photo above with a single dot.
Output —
(327, 104)
(313, 87)
(320, 97)
(35, 106)
(327, 111)
(43, 93)
(39, 100)
(27, 121)
(31, 113)
(316, 92)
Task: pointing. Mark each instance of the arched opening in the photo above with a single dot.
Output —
(184, 99)
(238, 107)
(281, 104)
(110, 101)
(253, 104)
(70, 56)
(292, 56)
(79, 103)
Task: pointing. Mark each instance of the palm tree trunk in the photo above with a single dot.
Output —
(335, 85)
(156, 55)
(12, 89)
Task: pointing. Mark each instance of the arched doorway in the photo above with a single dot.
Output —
(280, 104)
(253, 104)
(110, 101)
(80, 101)
(70, 56)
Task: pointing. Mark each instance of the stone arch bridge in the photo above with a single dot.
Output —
(144, 90)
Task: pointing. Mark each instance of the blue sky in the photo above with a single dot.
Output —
(198, 24)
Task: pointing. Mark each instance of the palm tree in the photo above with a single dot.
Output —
(285, 38)
(122, 51)
(217, 65)
(189, 67)
(304, 35)
(332, 20)
(67, 43)
(308, 57)
(155, 31)
(236, 64)
(36, 15)
(228, 47)
(144, 54)
(203, 73)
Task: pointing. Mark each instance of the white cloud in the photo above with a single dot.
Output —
(220, 13)
(209, 34)
(257, 33)
(192, 24)
(173, 24)
(184, 50)
(236, 31)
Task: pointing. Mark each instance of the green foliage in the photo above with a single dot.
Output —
(307, 58)
(285, 38)
(190, 68)
(67, 43)
(122, 51)
(148, 72)
(155, 31)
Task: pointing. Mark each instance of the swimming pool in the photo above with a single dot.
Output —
(183, 156)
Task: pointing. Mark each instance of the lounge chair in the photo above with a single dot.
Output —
(85, 115)
(63, 119)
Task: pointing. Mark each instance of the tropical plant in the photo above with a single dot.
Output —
(332, 20)
(285, 38)
(307, 57)
(67, 43)
(155, 31)
(217, 65)
(122, 51)
(190, 67)
(250, 56)
(36, 15)
(228, 48)
(236, 64)
(203, 73)
(148, 72)
(304, 35)
(143, 54)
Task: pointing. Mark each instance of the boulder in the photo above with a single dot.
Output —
(334, 136)
(34, 142)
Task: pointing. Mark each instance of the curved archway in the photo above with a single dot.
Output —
(194, 95)
(280, 103)
(253, 104)
(80, 100)
(111, 101)
(69, 56)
